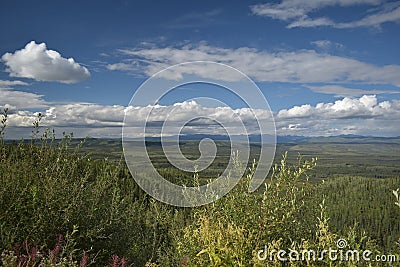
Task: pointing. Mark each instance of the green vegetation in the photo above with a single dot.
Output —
(366, 203)
(372, 157)
(61, 207)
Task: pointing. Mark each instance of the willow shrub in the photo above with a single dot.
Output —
(232, 230)
(49, 189)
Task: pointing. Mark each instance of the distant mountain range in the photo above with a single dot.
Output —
(342, 139)
(290, 138)
(339, 139)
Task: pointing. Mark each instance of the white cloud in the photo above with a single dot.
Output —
(363, 107)
(304, 66)
(14, 99)
(298, 13)
(310, 23)
(322, 43)
(341, 91)
(20, 100)
(326, 46)
(82, 119)
(92, 116)
(84, 114)
(121, 66)
(296, 112)
(6, 83)
(364, 115)
(294, 9)
(36, 62)
(374, 20)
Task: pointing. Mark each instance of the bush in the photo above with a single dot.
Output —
(61, 208)
(233, 230)
(48, 189)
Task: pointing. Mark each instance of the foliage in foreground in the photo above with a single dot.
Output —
(233, 230)
(48, 191)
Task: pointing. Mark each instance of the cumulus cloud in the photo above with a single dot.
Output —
(82, 119)
(87, 114)
(194, 117)
(366, 106)
(305, 66)
(36, 62)
(298, 13)
(364, 115)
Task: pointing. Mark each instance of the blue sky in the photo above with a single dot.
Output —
(326, 67)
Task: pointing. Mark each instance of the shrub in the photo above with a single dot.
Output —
(49, 188)
(97, 211)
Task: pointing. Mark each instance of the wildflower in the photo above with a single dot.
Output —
(84, 260)
(115, 261)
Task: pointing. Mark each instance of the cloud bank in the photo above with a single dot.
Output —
(36, 62)
(364, 115)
